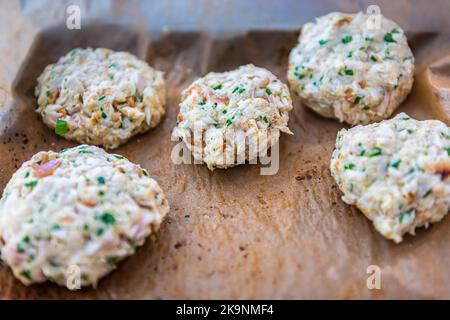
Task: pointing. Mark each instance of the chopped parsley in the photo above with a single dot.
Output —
(61, 127)
(323, 42)
(107, 218)
(112, 261)
(389, 38)
(375, 152)
(217, 87)
(118, 156)
(104, 115)
(55, 227)
(101, 180)
(448, 151)
(373, 58)
(349, 166)
(358, 99)
(343, 20)
(347, 39)
(396, 164)
(27, 275)
(299, 75)
(101, 98)
(348, 72)
(31, 184)
(268, 91)
(350, 54)
(238, 90)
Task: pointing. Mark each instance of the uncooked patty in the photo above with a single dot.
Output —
(344, 68)
(397, 172)
(81, 207)
(100, 97)
(235, 114)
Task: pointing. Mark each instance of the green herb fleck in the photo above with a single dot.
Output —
(375, 152)
(55, 227)
(347, 39)
(112, 261)
(27, 275)
(299, 75)
(348, 72)
(107, 218)
(388, 37)
(323, 42)
(101, 180)
(101, 98)
(358, 99)
(396, 164)
(217, 87)
(349, 166)
(343, 20)
(61, 127)
(31, 184)
(268, 91)
(373, 58)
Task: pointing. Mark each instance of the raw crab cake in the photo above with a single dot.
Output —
(80, 207)
(232, 117)
(100, 97)
(355, 68)
(397, 172)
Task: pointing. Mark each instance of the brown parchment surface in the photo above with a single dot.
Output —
(234, 233)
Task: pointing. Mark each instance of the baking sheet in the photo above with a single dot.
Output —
(235, 233)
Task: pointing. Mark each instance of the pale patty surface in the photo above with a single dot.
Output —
(353, 67)
(397, 172)
(78, 207)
